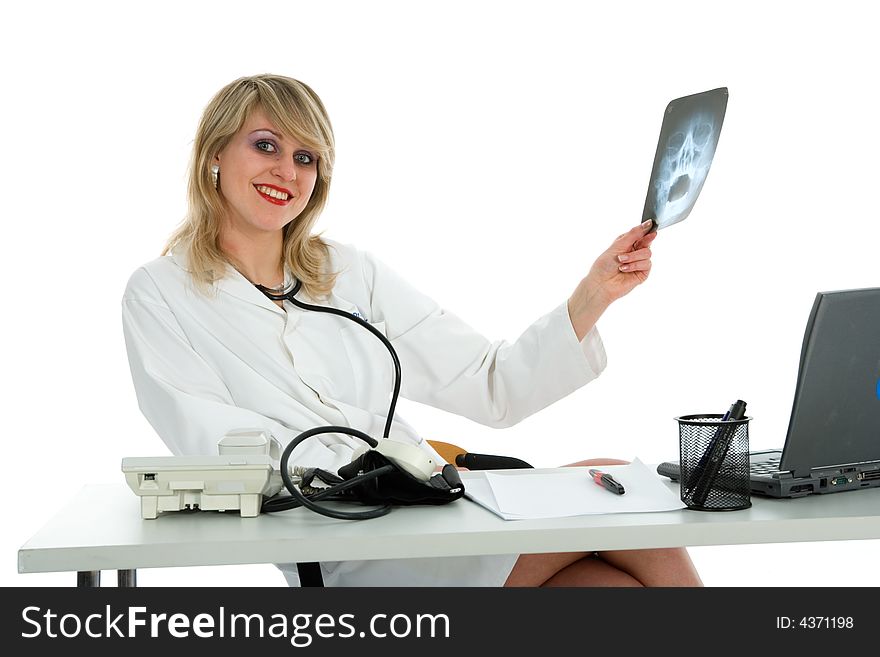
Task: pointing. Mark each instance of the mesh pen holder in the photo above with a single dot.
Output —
(714, 458)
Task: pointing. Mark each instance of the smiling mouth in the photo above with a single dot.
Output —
(276, 196)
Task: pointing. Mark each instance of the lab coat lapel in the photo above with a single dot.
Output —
(237, 286)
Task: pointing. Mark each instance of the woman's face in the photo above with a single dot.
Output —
(266, 178)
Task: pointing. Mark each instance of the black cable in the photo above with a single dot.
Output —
(290, 296)
(311, 502)
(324, 511)
(278, 503)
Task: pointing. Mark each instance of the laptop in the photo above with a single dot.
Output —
(833, 440)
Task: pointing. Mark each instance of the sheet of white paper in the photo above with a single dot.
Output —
(561, 492)
(477, 489)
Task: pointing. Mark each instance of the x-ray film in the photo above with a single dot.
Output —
(688, 138)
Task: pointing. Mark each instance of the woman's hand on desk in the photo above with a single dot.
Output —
(614, 274)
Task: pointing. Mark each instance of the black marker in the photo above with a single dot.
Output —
(607, 482)
(710, 464)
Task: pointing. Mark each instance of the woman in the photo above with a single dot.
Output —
(210, 353)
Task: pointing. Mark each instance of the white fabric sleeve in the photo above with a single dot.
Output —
(447, 364)
(185, 400)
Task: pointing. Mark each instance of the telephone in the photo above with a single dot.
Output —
(243, 477)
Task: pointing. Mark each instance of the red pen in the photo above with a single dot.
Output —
(607, 482)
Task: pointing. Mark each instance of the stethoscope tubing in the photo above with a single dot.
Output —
(291, 297)
(299, 499)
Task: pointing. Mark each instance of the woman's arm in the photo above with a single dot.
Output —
(447, 364)
(614, 274)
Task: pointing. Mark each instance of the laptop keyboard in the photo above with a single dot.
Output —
(767, 467)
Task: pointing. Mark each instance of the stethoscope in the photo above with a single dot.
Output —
(284, 503)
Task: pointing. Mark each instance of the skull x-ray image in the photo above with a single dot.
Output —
(688, 138)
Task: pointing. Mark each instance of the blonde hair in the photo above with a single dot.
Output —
(299, 113)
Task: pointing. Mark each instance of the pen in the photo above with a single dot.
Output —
(607, 481)
(704, 460)
(710, 464)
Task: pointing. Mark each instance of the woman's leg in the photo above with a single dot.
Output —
(566, 569)
(657, 567)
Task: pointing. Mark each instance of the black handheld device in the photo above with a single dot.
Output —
(706, 471)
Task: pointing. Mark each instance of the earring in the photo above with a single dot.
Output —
(215, 174)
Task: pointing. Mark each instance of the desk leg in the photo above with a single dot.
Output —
(310, 573)
(126, 578)
(88, 578)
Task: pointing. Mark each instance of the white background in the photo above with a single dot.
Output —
(487, 150)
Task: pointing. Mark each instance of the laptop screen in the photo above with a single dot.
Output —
(835, 418)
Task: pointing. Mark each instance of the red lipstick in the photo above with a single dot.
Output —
(271, 199)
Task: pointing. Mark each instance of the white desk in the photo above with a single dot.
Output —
(101, 529)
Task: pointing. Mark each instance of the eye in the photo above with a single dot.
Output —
(265, 146)
(702, 133)
(304, 158)
(675, 142)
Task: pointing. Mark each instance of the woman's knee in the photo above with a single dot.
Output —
(599, 461)
(535, 569)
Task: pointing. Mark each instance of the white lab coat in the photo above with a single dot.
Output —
(203, 365)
